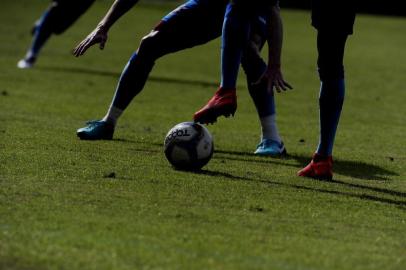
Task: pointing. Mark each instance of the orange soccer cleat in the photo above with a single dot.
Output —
(224, 102)
(320, 167)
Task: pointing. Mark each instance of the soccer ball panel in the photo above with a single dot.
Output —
(179, 154)
(188, 146)
(204, 146)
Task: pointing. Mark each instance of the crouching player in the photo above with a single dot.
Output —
(194, 23)
(59, 16)
(238, 30)
(334, 21)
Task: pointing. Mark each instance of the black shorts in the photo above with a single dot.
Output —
(334, 15)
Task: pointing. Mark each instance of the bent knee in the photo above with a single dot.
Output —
(149, 43)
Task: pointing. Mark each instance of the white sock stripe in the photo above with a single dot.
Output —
(269, 128)
(112, 115)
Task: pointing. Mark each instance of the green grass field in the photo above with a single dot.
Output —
(62, 208)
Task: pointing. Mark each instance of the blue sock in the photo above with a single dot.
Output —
(263, 99)
(42, 32)
(330, 103)
(235, 34)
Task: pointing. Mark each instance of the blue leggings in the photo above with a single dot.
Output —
(190, 25)
(331, 72)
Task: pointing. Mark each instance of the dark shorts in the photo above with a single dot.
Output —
(63, 14)
(337, 16)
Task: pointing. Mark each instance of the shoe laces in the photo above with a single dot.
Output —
(93, 122)
(269, 143)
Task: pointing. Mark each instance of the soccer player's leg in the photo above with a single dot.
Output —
(254, 66)
(235, 35)
(68, 12)
(236, 29)
(56, 19)
(41, 33)
(130, 84)
(331, 71)
(185, 27)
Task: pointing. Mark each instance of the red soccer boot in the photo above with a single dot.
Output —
(320, 167)
(224, 102)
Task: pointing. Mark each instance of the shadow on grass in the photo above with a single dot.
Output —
(360, 170)
(113, 74)
(354, 169)
(341, 167)
(373, 198)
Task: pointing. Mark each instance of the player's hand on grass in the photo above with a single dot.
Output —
(98, 36)
(276, 80)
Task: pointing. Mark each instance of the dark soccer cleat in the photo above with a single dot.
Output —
(319, 168)
(96, 130)
(224, 102)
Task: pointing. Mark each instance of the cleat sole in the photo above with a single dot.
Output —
(211, 115)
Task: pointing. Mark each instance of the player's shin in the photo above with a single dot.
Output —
(330, 104)
(235, 35)
(131, 83)
(42, 33)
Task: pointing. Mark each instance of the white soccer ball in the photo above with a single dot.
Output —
(188, 146)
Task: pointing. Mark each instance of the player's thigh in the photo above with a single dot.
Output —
(331, 47)
(187, 26)
(64, 13)
(252, 62)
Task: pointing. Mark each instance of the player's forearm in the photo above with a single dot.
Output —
(275, 38)
(118, 9)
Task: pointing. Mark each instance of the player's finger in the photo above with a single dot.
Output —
(77, 50)
(277, 86)
(287, 85)
(282, 85)
(276, 83)
(86, 46)
(102, 43)
(79, 53)
(74, 52)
